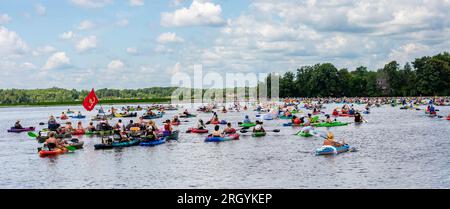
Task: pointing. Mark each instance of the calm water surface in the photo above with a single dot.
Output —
(396, 149)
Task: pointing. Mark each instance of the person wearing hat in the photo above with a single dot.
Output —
(17, 125)
(329, 141)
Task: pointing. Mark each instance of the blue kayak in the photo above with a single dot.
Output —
(159, 115)
(78, 116)
(161, 140)
(331, 150)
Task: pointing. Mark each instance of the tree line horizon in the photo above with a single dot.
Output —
(425, 76)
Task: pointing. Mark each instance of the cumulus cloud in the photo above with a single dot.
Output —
(199, 13)
(169, 38)
(43, 50)
(91, 3)
(27, 66)
(122, 22)
(69, 35)
(136, 3)
(115, 65)
(57, 60)
(85, 25)
(132, 50)
(11, 44)
(86, 43)
(5, 18)
(40, 9)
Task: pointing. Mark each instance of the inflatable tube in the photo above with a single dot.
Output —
(18, 130)
(331, 150)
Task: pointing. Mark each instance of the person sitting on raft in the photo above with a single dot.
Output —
(91, 126)
(224, 109)
(215, 118)
(258, 128)
(216, 132)
(201, 125)
(153, 125)
(119, 126)
(17, 125)
(432, 110)
(149, 134)
(295, 120)
(287, 113)
(175, 119)
(335, 112)
(307, 129)
(79, 114)
(68, 128)
(328, 119)
(167, 128)
(186, 113)
(247, 119)
(150, 112)
(329, 141)
(229, 129)
(351, 111)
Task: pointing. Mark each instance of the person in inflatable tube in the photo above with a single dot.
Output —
(329, 141)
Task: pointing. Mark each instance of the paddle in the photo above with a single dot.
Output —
(32, 134)
(274, 130)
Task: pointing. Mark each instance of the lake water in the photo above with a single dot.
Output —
(396, 149)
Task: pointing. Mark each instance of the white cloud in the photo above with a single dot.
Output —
(11, 44)
(169, 38)
(85, 25)
(132, 50)
(57, 60)
(69, 35)
(91, 3)
(115, 65)
(5, 18)
(122, 22)
(163, 49)
(198, 13)
(136, 3)
(27, 66)
(40, 9)
(410, 50)
(43, 50)
(86, 43)
(175, 69)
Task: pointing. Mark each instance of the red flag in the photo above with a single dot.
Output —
(90, 101)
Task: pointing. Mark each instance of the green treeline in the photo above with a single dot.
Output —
(64, 96)
(426, 76)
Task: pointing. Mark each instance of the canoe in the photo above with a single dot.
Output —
(333, 124)
(200, 131)
(45, 153)
(303, 134)
(18, 130)
(247, 125)
(258, 134)
(331, 150)
(161, 140)
(78, 116)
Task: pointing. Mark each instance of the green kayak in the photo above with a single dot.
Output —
(90, 133)
(258, 134)
(303, 134)
(336, 123)
(247, 125)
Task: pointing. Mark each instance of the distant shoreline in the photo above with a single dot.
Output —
(101, 102)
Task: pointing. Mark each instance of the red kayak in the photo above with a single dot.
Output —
(45, 153)
(448, 118)
(175, 123)
(78, 132)
(199, 131)
(232, 136)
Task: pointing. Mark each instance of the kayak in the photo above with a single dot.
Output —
(258, 134)
(77, 145)
(78, 132)
(303, 134)
(188, 116)
(333, 124)
(247, 125)
(160, 115)
(161, 140)
(173, 136)
(175, 123)
(268, 117)
(221, 139)
(70, 112)
(285, 117)
(222, 122)
(199, 131)
(366, 112)
(448, 118)
(45, 153)
(78, 116)
(133, 142)
(18, 130)
(331, 150)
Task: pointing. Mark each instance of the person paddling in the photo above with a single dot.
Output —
(229, 129)
(258, 128)
(216, 132)
(329, 141)
(201, 125)
(359, 118)
(17, 125)
(167, 128)
(247, 119)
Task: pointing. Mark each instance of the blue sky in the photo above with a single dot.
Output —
(141, 43)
